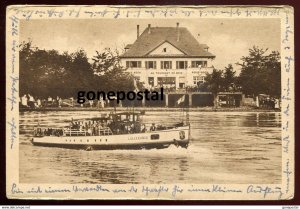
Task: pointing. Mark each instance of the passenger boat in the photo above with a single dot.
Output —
(124, 130)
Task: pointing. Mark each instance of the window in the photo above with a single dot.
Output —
(166, 80)
(181, 64)
(154, 136)
(133, 64)
(164, 49)
(182, 82)
(151, 81)
(166, 64)
(196, 64)
(150, 64)
(181, 85)
(198, 80)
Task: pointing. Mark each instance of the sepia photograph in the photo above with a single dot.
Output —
(150, 103)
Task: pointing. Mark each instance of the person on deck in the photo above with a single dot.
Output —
(153, 128)
(143, 128)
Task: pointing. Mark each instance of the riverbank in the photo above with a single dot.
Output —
(157, 109)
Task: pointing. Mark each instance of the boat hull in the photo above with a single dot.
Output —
(150, 140)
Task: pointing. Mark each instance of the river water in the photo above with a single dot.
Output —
(226, 147)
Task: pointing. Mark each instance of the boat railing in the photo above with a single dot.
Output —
(40, 132)
(90, 132)
(74, 132)
(105, 131)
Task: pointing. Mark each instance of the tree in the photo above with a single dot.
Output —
(80, 74)
(214, 83)
(46, 73)
(106, 61)
(260, 73)
(219, 80)
(41, 71)
(229, 78)
(111, 75)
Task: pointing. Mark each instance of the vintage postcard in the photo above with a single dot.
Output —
(150, 102)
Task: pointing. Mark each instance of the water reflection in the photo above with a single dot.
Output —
(225, 148)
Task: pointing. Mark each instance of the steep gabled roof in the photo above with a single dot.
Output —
(147, 42)
(128, 46)
(149, 53)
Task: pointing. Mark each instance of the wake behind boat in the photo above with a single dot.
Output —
(123, 130)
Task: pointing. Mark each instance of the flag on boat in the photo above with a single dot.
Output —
(181, 100)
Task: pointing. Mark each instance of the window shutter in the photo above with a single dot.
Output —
(127, 64)
(146, 65)
(161, 65)
(177, 63)
(139, 63)
(185, 64)
(170, 64)
(154, 64)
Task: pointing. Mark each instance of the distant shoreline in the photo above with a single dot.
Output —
(154, 109)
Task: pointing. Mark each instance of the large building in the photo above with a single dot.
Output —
(167, 56)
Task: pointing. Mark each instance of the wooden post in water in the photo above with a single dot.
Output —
(143, 101)
(190, 99)
(167, 100)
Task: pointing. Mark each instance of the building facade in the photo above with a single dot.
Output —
(167, 56)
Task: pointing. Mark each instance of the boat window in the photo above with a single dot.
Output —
(154, 136)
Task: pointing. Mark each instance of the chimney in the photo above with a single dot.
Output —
(177, 29)
(137, 31)
(149, 26)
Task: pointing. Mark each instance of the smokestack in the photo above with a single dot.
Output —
(149, 26)
(177, 28)
(137, 31)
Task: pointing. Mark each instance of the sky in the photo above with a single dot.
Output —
(228, 39)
